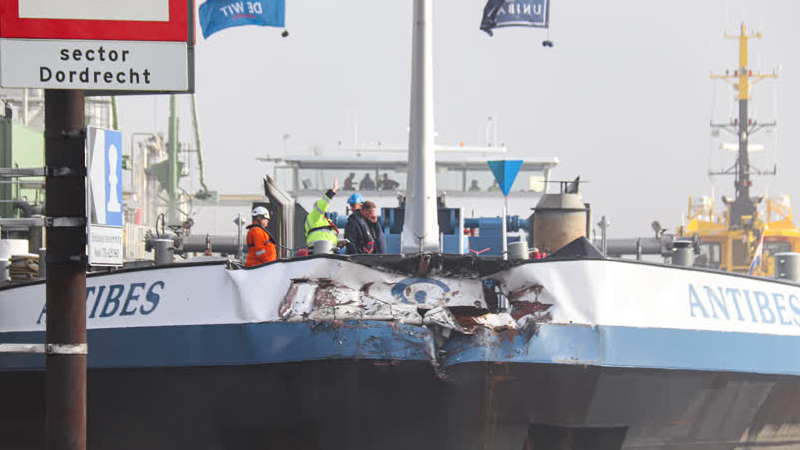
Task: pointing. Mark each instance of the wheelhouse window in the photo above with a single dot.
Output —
(774, 247)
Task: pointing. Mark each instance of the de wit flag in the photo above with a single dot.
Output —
(509, 13)
(217, 15)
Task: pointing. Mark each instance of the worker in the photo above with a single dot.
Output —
(317, 226)
(371, 217)
(474, 187)
(355, 201)
(366, 183)
(387, 184)
(348, 182)
(357, 232)
(260, 245)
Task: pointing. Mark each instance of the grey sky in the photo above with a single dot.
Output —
(623, 99)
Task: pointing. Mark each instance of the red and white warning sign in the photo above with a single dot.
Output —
(140, 10)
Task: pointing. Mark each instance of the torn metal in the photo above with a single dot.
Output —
(460, 304)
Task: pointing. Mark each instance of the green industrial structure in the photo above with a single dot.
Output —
(20, 147)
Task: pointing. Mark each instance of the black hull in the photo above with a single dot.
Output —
(404, 405)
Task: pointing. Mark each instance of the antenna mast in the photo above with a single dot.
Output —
(743, 207)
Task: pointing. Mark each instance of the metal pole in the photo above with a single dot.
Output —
(604, 224)
(25, 115)
(197, 143)
(421, 226)
(240, 251)
(172, 157)
(505, 227)
(114, 116)
(64, 131)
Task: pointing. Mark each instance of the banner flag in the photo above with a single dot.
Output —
(510, 13)
(217, 15)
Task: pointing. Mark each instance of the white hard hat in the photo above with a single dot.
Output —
(261, 211)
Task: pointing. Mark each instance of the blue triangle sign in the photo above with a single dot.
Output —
(505, 172)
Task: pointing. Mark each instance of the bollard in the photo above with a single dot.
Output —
(42, 262)
(682, 253)
(787, 266)
(164, 250)
(518, 250)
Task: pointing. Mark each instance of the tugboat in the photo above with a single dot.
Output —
(730, 240)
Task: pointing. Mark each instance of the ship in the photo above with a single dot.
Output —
(730, 239)
(423, 349)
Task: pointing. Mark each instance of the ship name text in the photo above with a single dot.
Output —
(119, 300)
(734, 304)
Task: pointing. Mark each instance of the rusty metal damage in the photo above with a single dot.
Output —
(442, 306)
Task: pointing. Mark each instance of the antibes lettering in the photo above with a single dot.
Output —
(695, 303)
(722, 303)
(119, 300)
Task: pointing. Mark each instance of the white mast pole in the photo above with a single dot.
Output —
(421, 227)
(505, 227)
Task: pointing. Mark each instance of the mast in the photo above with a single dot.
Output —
(421, 226)
(742, 206)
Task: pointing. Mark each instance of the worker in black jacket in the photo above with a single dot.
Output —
(358, 233)
(371, 216)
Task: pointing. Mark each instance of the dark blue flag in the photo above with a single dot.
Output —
(217, 15)
(509, 13)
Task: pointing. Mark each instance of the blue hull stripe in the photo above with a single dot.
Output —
(264, 343)
(655, 348)
(253, 343)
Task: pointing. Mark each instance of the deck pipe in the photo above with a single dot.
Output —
(227, 245)
(638, 246)
(514, 223)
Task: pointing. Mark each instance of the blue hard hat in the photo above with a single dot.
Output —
(355, 198)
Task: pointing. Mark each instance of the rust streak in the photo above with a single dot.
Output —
(504, 378)
(522, 309)
(516, 295)
(365, 288)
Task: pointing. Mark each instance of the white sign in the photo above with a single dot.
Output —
(93, 65)
(105, 196)
(105, 246)
(138, 10)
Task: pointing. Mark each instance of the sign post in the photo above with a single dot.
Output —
(505, 172)
(69, 48)
(65, 209)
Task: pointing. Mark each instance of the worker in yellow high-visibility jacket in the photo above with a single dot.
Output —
(317, 226)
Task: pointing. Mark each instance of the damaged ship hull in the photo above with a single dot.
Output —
(317, 365)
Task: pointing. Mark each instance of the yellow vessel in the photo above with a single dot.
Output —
(730, 240)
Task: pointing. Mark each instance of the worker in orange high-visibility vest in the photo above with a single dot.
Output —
(260, 245)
